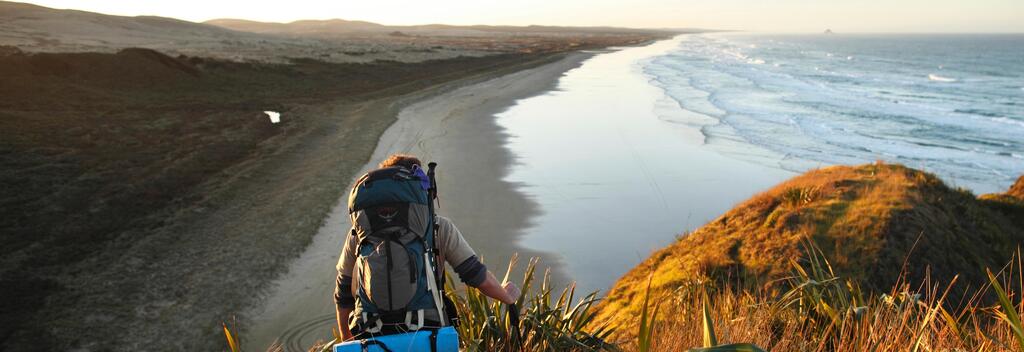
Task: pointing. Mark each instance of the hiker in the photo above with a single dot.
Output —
(374, 249)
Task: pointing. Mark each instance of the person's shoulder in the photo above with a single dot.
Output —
(446, 225)
(443, 220)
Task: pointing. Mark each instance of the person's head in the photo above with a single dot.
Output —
(403, 160)
(409, 162)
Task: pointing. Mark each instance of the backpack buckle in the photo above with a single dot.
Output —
(419, 318)
(376, 320)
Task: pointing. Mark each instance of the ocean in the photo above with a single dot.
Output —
(949, 104)
(643, 144)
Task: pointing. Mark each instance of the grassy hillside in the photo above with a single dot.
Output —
(1017, 190)
(1010, 203)
(871, 221)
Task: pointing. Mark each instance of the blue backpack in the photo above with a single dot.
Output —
(395, 276)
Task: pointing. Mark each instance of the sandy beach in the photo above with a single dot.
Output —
(441, 127)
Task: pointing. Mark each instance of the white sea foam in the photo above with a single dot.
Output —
(868, 109)
(937, 78)
(1008, 121)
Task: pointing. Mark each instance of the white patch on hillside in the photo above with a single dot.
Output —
(275, 117)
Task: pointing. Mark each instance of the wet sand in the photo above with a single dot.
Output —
(455, 128)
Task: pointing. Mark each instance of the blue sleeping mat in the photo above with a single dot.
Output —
(419, 341)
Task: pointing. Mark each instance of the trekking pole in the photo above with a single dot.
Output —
(438, 274)
(432, 191)
(513, 326)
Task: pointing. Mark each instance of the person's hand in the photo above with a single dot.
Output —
(512, 292)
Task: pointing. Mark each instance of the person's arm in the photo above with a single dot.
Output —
(507, 293)
(471, 271)
(342, 314)
(474, 274)
(344, 300)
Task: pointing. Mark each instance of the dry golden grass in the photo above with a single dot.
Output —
(822, 312)
(1017, 190)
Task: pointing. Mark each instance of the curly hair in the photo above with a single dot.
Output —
(403, 160)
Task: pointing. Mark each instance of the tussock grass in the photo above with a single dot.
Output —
(551, 319)
(819, 311)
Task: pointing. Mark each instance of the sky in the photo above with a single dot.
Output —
(932, 16)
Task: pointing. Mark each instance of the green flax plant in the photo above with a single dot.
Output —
(547, 322)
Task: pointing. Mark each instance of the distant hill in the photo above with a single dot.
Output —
(31, 26)
(32, 29)
(336, 27)
(36, 29)
(298, 27)
(870, 220)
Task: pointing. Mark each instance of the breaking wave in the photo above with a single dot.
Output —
(937, 78)
(823, 107)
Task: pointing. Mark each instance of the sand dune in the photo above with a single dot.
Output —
(347, 27)
(35, 28)
(39, 29)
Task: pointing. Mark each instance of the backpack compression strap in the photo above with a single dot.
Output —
(365, 345)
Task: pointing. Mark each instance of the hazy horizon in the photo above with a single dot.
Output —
(792, 16)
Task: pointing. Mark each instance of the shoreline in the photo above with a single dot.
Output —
(629, 170)
(435, 124)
